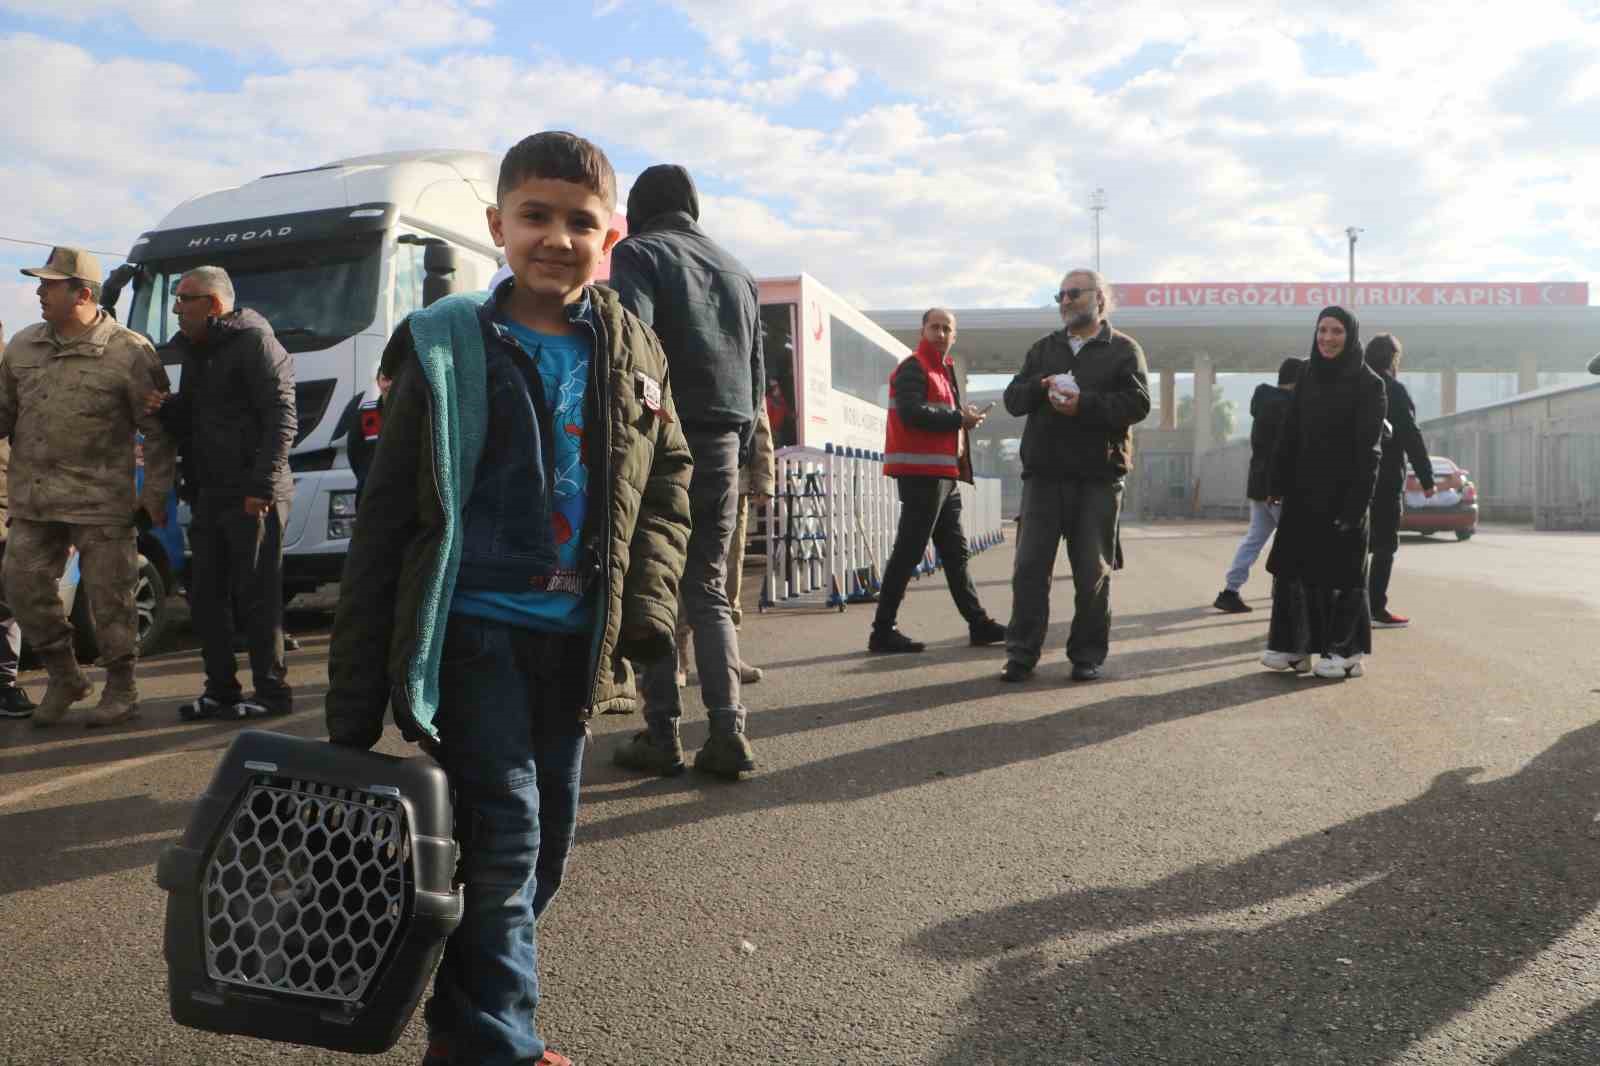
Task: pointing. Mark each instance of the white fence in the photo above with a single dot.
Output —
(832, 526)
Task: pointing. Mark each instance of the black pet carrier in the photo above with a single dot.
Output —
(311, 895)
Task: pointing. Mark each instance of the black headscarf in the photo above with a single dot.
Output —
(1349, 361)
(659, 190)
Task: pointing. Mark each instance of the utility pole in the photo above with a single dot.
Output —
(1097, 204)
(1351, 231)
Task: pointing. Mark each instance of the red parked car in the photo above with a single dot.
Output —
(1453, 507)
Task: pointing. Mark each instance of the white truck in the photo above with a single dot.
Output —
(334, 257)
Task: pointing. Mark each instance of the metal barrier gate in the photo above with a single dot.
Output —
(832, 525)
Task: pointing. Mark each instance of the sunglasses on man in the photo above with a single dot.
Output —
(1072, 294)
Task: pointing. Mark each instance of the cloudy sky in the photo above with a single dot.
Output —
(904, 151)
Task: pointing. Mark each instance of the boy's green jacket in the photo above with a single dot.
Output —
(400, 573)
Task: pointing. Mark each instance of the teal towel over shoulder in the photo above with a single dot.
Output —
(449, 346)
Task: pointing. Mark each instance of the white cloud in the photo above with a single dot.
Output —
(1466, 149)
(294, 31)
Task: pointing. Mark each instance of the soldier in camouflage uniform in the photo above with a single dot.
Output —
(72, 395)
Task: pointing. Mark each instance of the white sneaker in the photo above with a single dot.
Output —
(1339, 667)
(1282, 660)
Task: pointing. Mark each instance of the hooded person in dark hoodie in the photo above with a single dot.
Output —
(704, 306)
(234, 419)
(1268, 408)
(1323, 471)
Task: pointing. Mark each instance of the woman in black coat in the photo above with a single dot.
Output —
(1323, 470)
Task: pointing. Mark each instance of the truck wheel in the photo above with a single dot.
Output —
(150, 607)
(1465, 534)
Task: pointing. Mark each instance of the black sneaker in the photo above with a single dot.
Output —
(1015, 672)
(1228, 600)
(1085, 672)
(14, 703)
(892, 641)
(206, 707)
(986, 632)
(254, 708)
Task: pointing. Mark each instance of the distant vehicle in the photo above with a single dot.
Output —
(1453, 507)
(831, 361)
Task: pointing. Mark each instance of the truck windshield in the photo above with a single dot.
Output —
(314, 294)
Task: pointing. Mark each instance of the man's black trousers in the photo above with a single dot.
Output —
(236, 581)
(930, 507)
(1387, 507)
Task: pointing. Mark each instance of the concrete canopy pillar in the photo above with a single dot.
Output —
(1447, 392)
(1527, 372)
(1169, 399)
(1205, 376)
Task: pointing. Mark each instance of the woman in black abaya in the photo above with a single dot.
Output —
(1323, 471)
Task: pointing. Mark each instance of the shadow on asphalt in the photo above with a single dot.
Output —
(137, 737)
(76, 841)
(1439, 900)
(1573, 1040)
(915, 761)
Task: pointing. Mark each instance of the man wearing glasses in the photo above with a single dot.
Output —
(1082, 390)
(234, 415)
(72, 395)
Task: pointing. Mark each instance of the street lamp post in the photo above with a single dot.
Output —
(1097, 204)
(1351, 231)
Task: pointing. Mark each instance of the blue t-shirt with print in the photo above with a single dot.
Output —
(563, 364)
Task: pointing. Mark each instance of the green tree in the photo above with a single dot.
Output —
(1224, 417)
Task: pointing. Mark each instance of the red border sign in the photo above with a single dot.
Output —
(1490, 294)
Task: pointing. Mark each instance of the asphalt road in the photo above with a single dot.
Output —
(1190, 861)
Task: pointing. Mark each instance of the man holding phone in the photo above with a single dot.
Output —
(927, 451)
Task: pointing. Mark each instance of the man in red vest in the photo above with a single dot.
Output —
(926, 453)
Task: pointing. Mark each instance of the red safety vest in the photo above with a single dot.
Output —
(911, 452)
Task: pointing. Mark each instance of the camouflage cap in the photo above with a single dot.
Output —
(68, 263)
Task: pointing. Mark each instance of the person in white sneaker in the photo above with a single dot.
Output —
(1323, 473)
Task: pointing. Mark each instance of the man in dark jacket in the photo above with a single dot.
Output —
(1082, 389)
(703, 305)
(1402, 441)
(927, 450)
(234, 415)
(1268, 407)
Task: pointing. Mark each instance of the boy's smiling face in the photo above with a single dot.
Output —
(554, 234)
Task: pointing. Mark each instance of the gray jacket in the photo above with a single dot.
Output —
(701, 302)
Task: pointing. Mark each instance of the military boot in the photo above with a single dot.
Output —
(68, 685)
(119, 700)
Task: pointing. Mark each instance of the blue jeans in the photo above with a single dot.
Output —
(1263, 520)
(514, 758)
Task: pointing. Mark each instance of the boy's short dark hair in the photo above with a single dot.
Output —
(562, 156)
(1290, 369)
(1383, 351)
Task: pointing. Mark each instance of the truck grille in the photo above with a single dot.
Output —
(306, 889)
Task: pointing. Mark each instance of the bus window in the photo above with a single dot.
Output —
(861, 368)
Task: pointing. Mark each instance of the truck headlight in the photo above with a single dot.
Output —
(341, 515)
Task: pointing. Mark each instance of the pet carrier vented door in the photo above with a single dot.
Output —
(310, 897)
